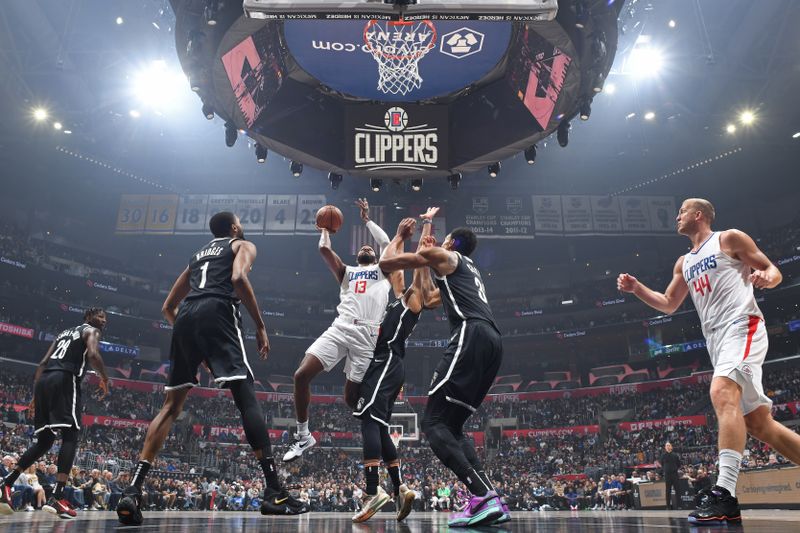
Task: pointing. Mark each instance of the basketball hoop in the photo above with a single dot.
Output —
(396, 434)
(398, 46)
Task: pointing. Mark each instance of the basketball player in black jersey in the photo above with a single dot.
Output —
(207, 329)
(465, 373)
(57, 405)
(386, 374)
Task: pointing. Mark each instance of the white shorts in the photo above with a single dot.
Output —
(737, 352)
(343, 340)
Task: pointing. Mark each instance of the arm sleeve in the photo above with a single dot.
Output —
(378, 234)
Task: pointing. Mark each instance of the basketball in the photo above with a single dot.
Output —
(330, 218)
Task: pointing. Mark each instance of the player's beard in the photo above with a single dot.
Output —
(365, 259)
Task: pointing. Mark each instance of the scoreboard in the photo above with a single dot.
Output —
(260, 214)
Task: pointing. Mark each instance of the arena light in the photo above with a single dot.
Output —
(586, 110)
(208, 111)
(335, 179)
(672, 23)
(566, 302)
(120, 21)
(454, 180)
(135, 113)
(562, 134)
(375, 184)
(610, 88)
(159, 87)
(40, 114)
(644, 60)
(494, 169)
(530, 154)
(296, 168)
(231, 134)
(57, 126)
(747, 117)
(261, 153)
(796, 135)
(416, 184)
(731, 128)
(650, 115)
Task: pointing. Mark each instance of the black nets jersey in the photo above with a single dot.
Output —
(69, 354)
(396, 326)
(211, 268)
(463, 294)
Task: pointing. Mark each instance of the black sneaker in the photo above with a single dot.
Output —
(129, 508)
(715, 505)
(281, 503)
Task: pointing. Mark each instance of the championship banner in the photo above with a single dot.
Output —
(577, 211)
(635, 214)
(497, 217)
(411, 138)
(547, 215)
(132, 213)
(307, 207)
(683, 421)
(606, 215)
(191, 216)
(217, 203)
(662, 213)
(18, 331)
(281, 214)
(161, 211)
(250, 208)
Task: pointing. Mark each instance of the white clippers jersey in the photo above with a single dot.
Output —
(364, 294)
(719, 284)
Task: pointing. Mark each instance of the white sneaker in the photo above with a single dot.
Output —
(29, 508)
(405, 500)
(372, 505)
(299, 445)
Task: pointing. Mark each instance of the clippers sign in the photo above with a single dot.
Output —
(411, 137)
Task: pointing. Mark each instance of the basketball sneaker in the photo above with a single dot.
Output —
(481, 510)
(281, 503)
(405, 500)
(506, 517)
(5, 499)
(372, 505)
(129, 508)
(61, 507)
(300, 444)
(715, 505)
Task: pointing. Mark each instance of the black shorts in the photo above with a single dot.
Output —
(207, 329)
(379, 388)
(58, 401)
(469, 365)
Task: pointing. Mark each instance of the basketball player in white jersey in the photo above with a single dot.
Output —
(364, 294)
(720, 272)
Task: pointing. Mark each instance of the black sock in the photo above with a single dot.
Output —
(371, 473)
(58, 493)
(485, 479)
(139, 473)
(267, 464)
(11, 478)
(394, 473)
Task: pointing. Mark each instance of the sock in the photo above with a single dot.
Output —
(729, 462)
(58, 493)
(11, 478)
(394, 473)
(485, 479)
(139, 473)
(267, 464)
(474, 483)
(371, 474)
(302, 428)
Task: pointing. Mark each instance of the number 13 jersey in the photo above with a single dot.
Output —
(463, 294)
(719, 284)
(363, 294)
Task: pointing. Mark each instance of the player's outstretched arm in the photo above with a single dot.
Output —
(765, 274)
(396, 247)
(668, 301)
(92, 338)
(442, 261)
(422, 283)
(331, 258)
(375, 230)
(176, 295)
(242, 265)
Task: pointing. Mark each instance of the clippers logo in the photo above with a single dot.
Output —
(396, 145)
(461, 43)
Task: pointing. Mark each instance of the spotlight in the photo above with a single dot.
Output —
(747, 117)
(231, 134)
(586, 110)
(208, 111)
(296, 168)
(563, 133)
(375, 184)
(40, 114)
(57, 126)
(261, 152)
(454, 180)
(210, 13)
(731, 128)
(644, 60)
(649, 115)
(610, 88)
(672, 23)
(120, 21)
(494, 169)
(530, 154)
(335, 180)
(135, 113)
(580, 15)
(159, 87)
(416, 184)
(796, 135)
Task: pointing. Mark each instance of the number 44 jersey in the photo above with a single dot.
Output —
(211, 268)
(719, 284)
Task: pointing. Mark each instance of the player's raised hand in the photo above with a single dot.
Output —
(406, 228)
(363, 205)
(429, 241)
(263, 343)
(626, 283)
(430, 213)
(103, 387)
(761, 279)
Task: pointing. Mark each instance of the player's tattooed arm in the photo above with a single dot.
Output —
(442, 261)
(178, 292)
(242, 265)
(741, 246)
(333, 261)
(92, 339)
(667, 302)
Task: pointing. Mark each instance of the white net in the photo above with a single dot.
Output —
(396, 434)
(398, 47)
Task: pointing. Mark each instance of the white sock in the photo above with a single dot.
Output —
(729, 462)
(302, 429)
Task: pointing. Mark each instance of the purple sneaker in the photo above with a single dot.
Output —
(480, 510)
(506, 513)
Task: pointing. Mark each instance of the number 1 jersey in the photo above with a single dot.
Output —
(719, 284)
(211, 268)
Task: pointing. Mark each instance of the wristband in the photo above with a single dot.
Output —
(426, 221)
